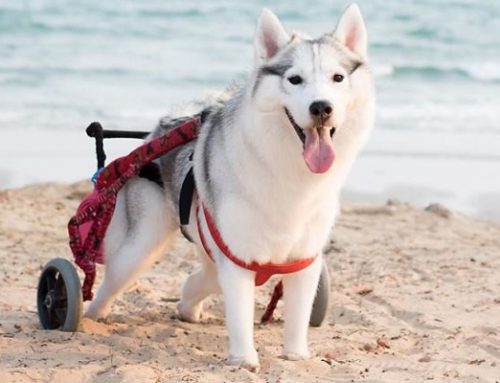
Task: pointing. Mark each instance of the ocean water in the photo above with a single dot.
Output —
(65, 63)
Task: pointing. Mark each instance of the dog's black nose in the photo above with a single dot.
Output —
(321, 109)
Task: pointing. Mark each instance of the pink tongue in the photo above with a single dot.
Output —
(318, 150)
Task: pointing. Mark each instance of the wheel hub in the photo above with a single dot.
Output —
(49, 299)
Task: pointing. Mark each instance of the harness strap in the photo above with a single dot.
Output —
(186, 197)
(271, 306)
(263, 271)
(202, 236)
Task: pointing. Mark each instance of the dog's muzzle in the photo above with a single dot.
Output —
(299, 130)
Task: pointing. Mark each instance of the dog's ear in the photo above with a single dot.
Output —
(270, 36)
(351, 30)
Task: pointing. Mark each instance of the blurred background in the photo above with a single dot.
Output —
(126, 63)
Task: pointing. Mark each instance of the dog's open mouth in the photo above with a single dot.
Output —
(318, 145)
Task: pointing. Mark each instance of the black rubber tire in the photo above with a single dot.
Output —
(59, 296)
(320, 305)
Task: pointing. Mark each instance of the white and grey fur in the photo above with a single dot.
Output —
(250, 173)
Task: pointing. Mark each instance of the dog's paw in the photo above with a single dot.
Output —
(192, 315)
(250, 363)
(96, 313)
(296, 355)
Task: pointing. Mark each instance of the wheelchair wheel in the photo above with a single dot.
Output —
(320, 305)
(59, 296)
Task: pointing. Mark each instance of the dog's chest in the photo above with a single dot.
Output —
(276, 232)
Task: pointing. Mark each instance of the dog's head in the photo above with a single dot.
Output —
(312, 82)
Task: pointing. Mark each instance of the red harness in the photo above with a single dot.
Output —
(263, 271)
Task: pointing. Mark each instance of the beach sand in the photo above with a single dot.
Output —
(415, 297)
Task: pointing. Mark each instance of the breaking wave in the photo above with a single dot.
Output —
(482, 73)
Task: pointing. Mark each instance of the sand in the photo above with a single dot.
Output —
(415, 297)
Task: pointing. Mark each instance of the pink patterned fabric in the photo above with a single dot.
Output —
(85, 227)
(88, 227)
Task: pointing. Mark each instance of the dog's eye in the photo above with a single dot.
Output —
(295, 80)
(338, 78)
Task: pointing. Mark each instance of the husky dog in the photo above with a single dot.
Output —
(269, 165)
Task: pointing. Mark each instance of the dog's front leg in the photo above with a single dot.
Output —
(238, 288)
(299, 292)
